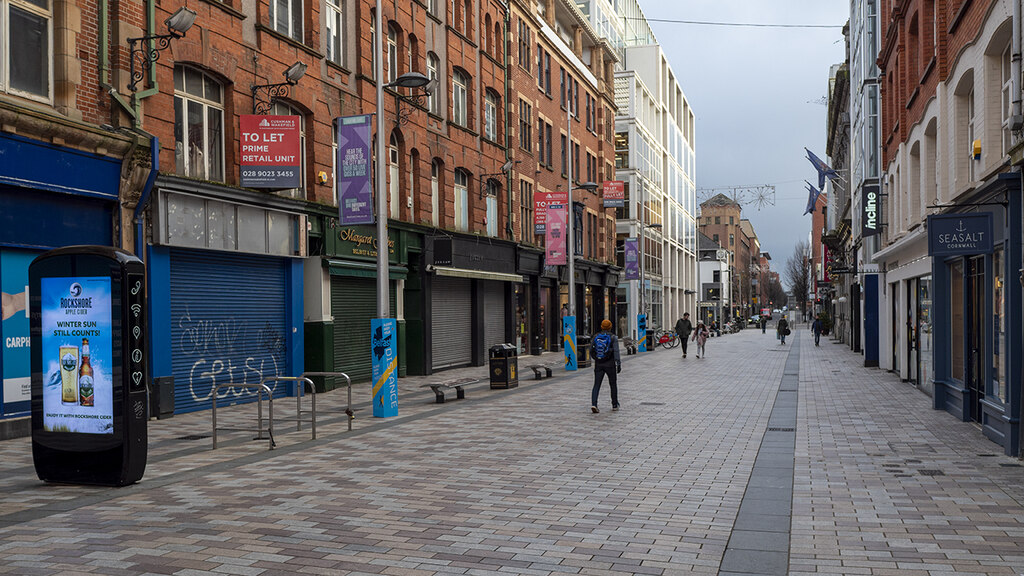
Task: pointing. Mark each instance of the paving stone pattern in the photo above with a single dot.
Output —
(528, 481)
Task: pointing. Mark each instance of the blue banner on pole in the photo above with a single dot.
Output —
(569, 341)
(384, 355)
(353, 172)
(641, 332)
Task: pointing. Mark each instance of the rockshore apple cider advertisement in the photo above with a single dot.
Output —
(77, 343)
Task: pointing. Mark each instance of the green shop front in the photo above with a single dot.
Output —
(341, 297)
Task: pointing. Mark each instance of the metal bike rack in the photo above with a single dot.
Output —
(298, 399)
(260, 389)
(348, 411)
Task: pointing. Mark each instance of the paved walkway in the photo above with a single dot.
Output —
(528, 481)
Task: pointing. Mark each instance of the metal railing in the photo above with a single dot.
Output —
(260, 389)
(348, 385)
(298, 399)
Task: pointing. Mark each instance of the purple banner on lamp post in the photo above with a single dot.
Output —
(554, 235)
(632, 253)
(352, 170)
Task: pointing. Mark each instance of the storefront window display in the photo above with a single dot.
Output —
(924, 330)
(999, 327)
(956, 324)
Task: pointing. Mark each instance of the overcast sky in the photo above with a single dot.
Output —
(755, 93)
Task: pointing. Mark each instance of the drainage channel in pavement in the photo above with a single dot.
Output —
(759, 543)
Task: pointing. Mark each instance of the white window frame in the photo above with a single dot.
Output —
(335, 17)
(394, 166)
(288, 26)
(183, 161)
(492, 209)
(392, 47)
(282, 109)
(460, 99)
(435, 180)
(491, 117)
(461, 200)
(5, 48)
(433, 66)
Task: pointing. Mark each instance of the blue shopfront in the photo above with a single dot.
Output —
(226, 300)
(976, 257)
(50, 196)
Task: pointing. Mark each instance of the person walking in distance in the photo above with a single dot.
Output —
(605, 349)
(816, 327)
(782, 329)
(700, 336)
(683, 329)
(764, 323)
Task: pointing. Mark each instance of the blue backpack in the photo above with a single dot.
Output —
(603, 346)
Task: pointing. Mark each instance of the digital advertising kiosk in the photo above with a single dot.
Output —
(89, 409)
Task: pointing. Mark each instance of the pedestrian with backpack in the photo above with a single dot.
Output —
(605, 349)
(700, 336)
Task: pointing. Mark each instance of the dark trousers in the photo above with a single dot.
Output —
(817, 338)
(600, 369)
(683, 340)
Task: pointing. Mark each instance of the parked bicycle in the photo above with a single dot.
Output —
(666, 338)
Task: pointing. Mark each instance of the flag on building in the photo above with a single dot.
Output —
(824, 171)
(812, 199)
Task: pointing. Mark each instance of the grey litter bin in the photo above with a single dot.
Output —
(504, 366)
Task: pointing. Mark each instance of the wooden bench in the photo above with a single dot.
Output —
(440, 387)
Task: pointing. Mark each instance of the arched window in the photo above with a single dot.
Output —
(413, 54)
(282, 109)
(461, 200)
(393, 180)
(433, 65)
(392, 51)
(491, 116)
(499, 43)
(198, 125)
(467, 22)
(488, 39)
(460, 98)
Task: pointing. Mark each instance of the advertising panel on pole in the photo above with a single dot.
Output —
(960, 234)
(384, 356)
(632, 255)
(16, 358)
(641, 332)
(569, 342)
(352, 170)
(271, 155)
(541, 202)
(554, 236)
(615, 194)
(77, 355)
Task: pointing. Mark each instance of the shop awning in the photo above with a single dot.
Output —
(478, 274)
(363, 269)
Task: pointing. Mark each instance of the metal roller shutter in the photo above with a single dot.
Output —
(353, 305)
(228, 325)
(494, 313)
(451, 341)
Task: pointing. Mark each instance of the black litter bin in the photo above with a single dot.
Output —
(651, 344)
(504, 363)
(583, 351)
(161, 397)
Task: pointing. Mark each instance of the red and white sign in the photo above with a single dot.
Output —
(614, 194)
(271, 151)
(541, 201)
